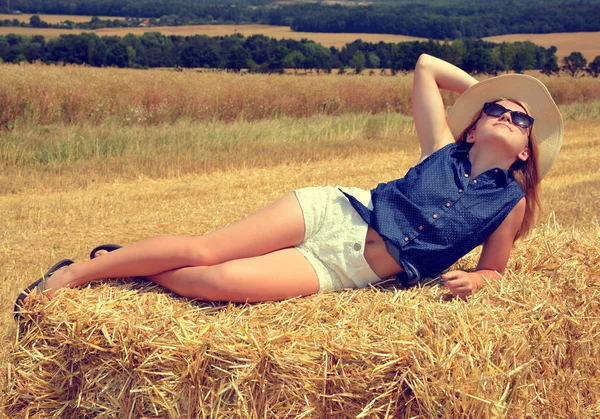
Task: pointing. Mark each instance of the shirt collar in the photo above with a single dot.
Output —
(501, 176)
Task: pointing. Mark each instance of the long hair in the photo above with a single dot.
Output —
(526, 173)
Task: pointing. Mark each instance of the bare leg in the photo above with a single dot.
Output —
(278, 226)
(275, 276)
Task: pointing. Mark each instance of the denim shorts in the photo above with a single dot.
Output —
(334, 240)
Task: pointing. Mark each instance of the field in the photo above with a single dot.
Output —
(54, 19)
(278, 32)
(93, 156)
(588, 43)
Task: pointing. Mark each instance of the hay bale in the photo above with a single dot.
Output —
(522, 347)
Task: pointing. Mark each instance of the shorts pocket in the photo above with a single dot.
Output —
(354, 255)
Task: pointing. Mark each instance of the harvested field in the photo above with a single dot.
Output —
(54, 19)
(588, 43)
(525, 346)
(279, 32)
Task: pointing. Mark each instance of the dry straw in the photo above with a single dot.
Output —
(36, 94)
(522, 347)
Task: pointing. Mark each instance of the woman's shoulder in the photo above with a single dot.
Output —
(441, 152)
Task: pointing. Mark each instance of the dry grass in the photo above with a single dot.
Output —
(522, 347)
(36, 94)
(39, 95)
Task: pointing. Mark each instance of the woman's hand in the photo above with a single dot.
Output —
(462, 283)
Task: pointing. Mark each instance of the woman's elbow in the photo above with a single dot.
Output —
(424, 61)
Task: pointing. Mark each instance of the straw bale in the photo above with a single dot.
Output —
(525, 346)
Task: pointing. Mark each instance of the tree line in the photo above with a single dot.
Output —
(436, 19)
(259, 53)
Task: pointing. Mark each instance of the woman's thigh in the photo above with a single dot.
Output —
(277, 226)
(275, 276)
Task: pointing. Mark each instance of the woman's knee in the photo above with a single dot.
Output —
(198, 252)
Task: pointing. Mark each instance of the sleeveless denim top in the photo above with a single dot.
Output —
(436, 213)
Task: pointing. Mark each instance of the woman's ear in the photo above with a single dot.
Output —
(524, 155)
(471, 136)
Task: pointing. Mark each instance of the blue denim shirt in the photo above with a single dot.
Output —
(437, 213)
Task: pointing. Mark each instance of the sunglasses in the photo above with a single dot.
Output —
(520, 119)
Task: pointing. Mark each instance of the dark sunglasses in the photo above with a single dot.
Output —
(520, 119)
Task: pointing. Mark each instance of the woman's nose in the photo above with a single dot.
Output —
(506, 116)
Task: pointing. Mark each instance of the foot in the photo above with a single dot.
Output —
(63, 277)
(59, 279)
(103, 249)
(41, 285)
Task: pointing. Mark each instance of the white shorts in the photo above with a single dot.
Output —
(334, 241)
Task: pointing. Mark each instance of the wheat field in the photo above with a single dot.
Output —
(523, 347)
(54, 19)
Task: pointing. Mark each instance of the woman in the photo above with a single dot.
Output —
(475, 183)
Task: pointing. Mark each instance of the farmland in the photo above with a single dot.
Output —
(94, 155)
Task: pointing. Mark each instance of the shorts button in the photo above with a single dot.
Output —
(357, 246)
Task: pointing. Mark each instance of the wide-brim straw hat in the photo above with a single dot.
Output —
(548, 123)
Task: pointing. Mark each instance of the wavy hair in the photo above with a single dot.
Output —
(526, 173)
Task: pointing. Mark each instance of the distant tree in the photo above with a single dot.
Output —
(574, 63)
(358, 62)
(293, 60)
(373, 60)
(396, 59)
(237, 59)
(317, 57)
(35, 21)
(130, 56)
(524, 57)
(550, 67)
(593, 68)
(508, 54)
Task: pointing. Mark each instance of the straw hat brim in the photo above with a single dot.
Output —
(548, 123)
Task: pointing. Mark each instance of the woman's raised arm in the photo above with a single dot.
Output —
(431, 75)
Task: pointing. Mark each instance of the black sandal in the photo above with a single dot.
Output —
(107, 247)
(39, 285)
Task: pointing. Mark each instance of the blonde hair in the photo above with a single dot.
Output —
(526, 173)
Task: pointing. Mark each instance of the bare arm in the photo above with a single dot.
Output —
(431, 75)
(494, 256)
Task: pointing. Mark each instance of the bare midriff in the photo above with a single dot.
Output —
(377, 256)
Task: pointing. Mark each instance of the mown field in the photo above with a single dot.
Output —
(588, 43)
(94, 156)
(54, 19)
(278, 32)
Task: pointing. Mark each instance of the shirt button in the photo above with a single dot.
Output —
(357, 246)
(460, 191)
(495, 170)
(406, 239)
(474, 180)
(420, 227)
(448, 204)
(466, 175)
(435, 215)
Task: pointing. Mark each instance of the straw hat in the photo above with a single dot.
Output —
(548, 123)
